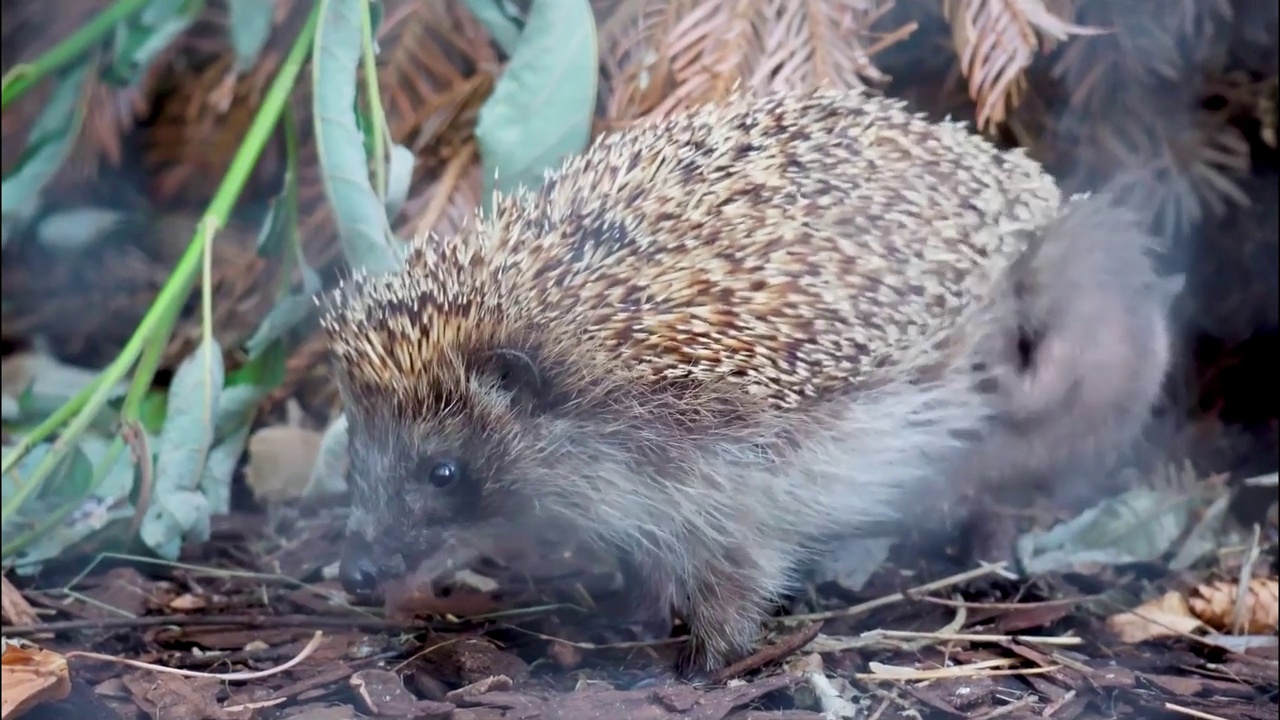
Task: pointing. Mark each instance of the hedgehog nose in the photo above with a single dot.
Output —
(358, 570)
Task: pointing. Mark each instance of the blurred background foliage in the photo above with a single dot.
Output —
(133, 129)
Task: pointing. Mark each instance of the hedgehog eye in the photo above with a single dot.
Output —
(444, 473)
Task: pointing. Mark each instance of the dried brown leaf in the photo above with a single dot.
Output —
(30, 676)
(280, 461)
(16, 609)
(1215, 604)
(1165, 616)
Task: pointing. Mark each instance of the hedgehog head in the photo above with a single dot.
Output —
(464, 408)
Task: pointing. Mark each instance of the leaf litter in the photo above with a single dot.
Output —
(1150, 603)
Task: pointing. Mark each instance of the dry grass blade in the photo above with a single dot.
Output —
(664, 56)
(997, 41)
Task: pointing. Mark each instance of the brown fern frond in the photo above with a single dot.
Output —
(680, 53)
(997, 40)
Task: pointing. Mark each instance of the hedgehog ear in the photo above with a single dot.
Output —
(518, 373)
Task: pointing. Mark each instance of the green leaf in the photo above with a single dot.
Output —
(287, 313)
(503, 28)
(153, 411)
(236, 408)
(73, 229)
(250, 28)
(327, 477)
(179, 511)
(399, 176)
(84, 514)
(541, 108)
(363, 228)
(280, 233)
(219, 470)
(265, 369)
(51, 138)
(1138, 526)
(144, 36)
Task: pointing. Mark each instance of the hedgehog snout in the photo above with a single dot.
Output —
(364, 567)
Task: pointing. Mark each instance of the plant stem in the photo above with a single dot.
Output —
(377, 116)
(160, 317)
(24, 76)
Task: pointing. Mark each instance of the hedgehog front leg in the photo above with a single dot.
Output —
(724, 604)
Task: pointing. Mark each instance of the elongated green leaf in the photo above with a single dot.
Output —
(70, 230)
(250, 28)
(501, 26)
(179, 511)
(287, 313)
(399, 175)
(279, 239)
(215, 482)
(541, 108)
(144, 36)
(363, 228)
(51, 139)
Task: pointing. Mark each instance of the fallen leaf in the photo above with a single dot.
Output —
(187, 602)
(1215, 604)
(1138, 526)
(29, 676)
(281, 459)
(1162, 617)
(16, 609)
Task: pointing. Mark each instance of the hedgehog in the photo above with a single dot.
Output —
(706, 343)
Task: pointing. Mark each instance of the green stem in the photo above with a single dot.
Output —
(377, 116)
(160, 316)
(24, 76)
(55, 420)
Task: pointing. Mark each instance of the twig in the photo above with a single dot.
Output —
(945, 673)
(1006, 709)
(1058, 704)
(135, 437)
(245, 621)
(225, 677)
(769, 653)
(1056, 640)
(1004, 605)
(596, 646)
(444, 189)
(1192, 713)
(1242, 586)
(894, 598)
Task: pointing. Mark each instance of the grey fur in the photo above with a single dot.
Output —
(1075, 353)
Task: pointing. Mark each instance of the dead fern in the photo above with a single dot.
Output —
(997, 41)
(670, 55)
